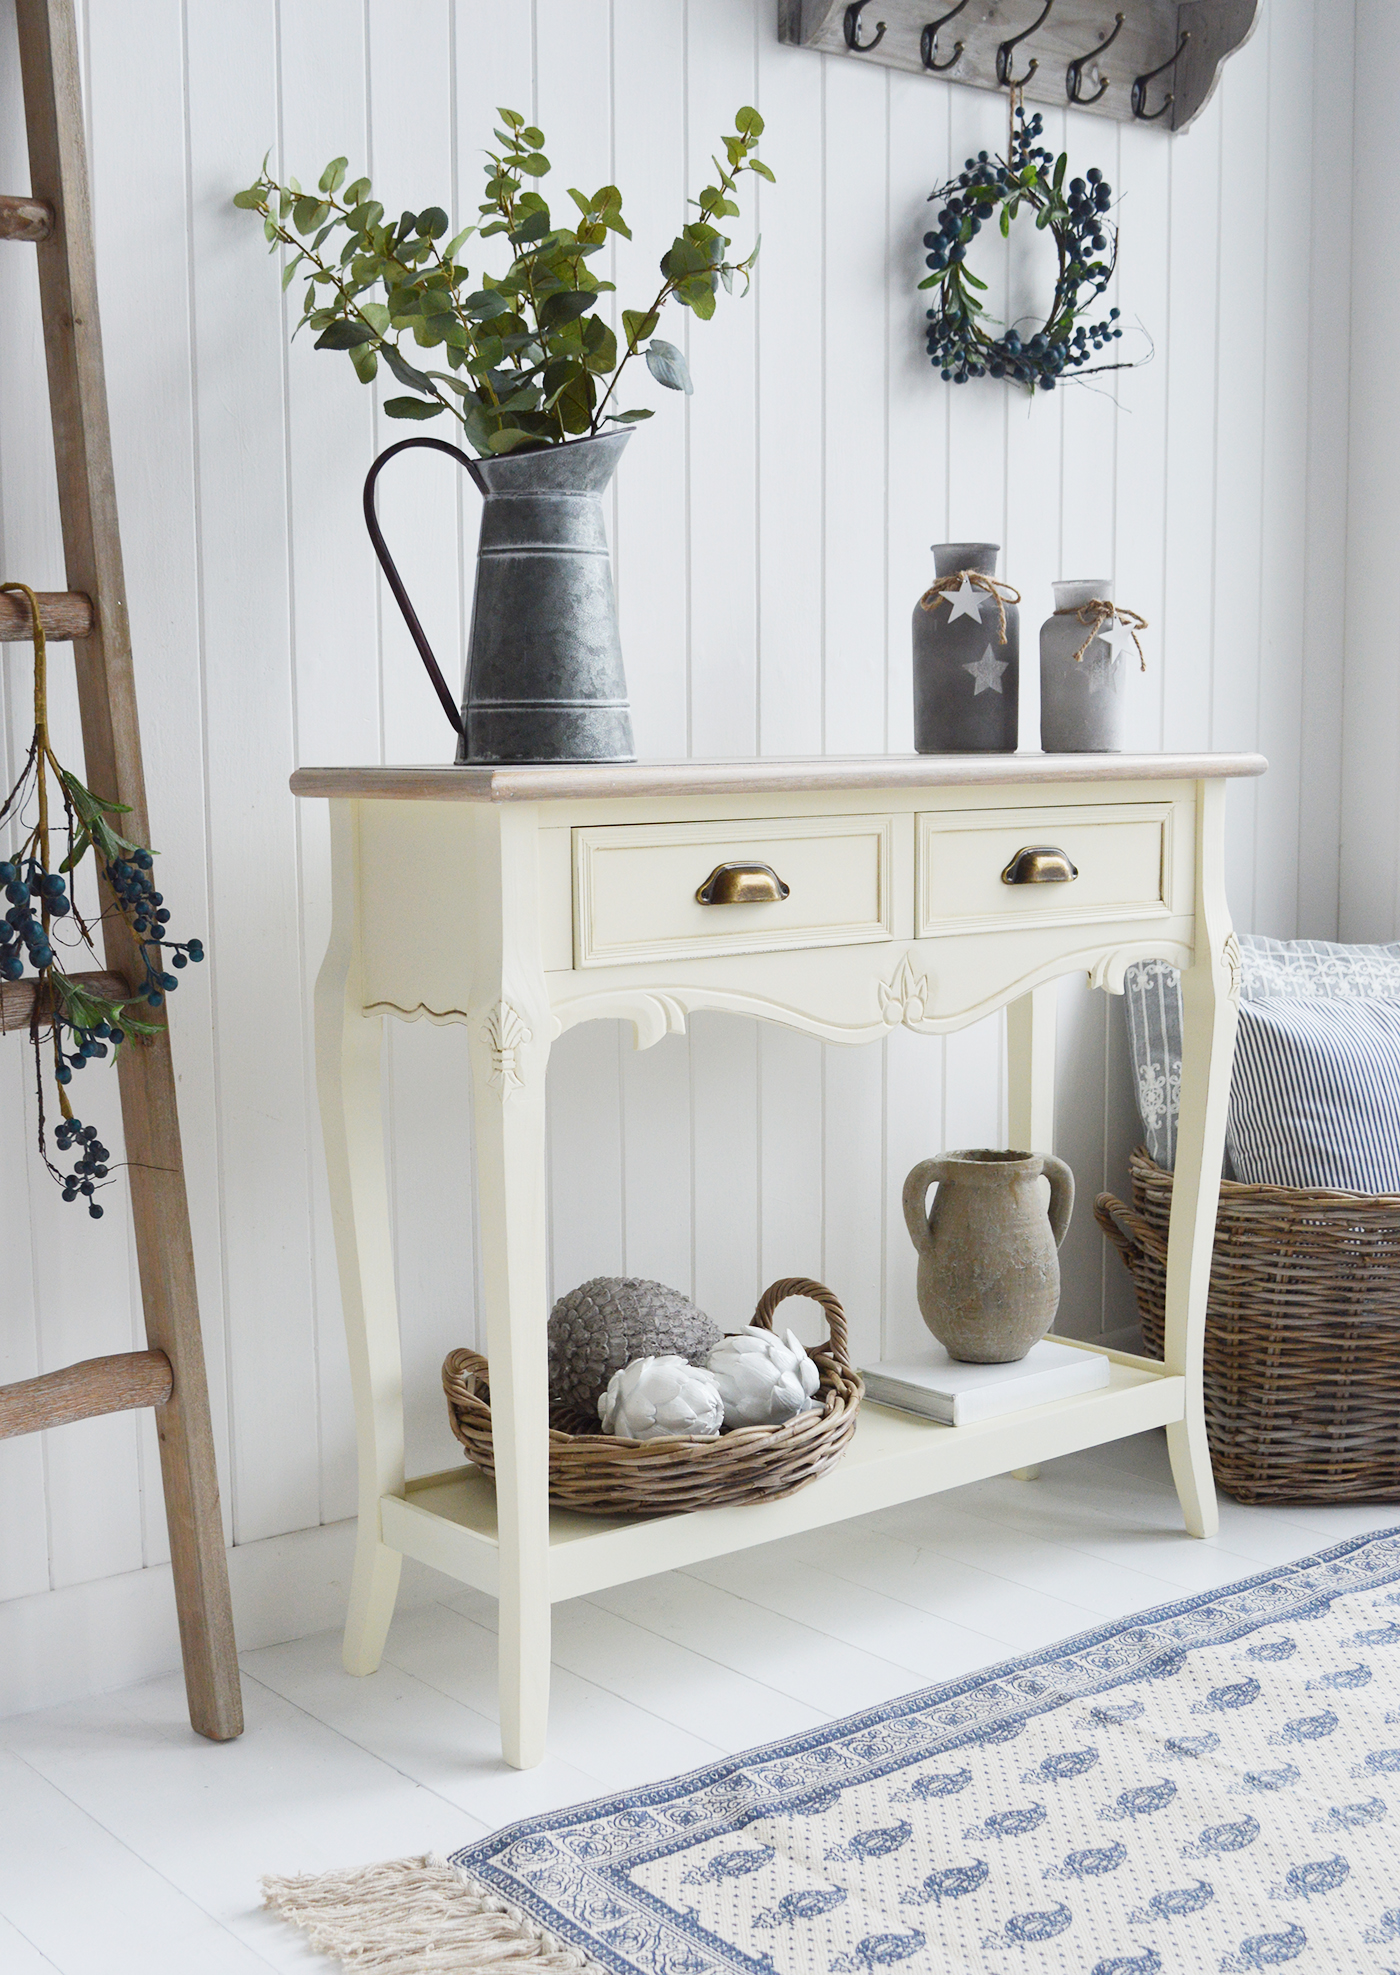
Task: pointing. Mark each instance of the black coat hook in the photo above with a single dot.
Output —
(853, 40)
(1139, 99)
(1074, 74)
(928, 41)
(1005, 53)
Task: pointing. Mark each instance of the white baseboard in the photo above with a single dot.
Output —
(60, 1646)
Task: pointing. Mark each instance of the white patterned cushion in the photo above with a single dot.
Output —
(1152, 1005)
(1271, 968)
(1274, 967)
(1315, 1095)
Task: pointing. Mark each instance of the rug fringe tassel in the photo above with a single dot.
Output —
(419, 1916)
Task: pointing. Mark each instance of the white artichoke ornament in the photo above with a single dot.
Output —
(763, 1379)
(661, 1399)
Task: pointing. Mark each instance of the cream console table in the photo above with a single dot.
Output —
(842, 897)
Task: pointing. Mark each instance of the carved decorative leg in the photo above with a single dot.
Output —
(347, 1077)
(1210, 992)
(508, 1076)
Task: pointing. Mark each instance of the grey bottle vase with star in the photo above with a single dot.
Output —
(1082, 690)
(967, 675)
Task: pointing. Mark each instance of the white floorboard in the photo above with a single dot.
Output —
(127, 1844)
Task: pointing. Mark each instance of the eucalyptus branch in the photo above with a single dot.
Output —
(528, 351)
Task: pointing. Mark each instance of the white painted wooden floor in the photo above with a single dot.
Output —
(126, 1844)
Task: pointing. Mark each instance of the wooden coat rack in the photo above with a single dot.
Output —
(1145, 61)
(169, 1374)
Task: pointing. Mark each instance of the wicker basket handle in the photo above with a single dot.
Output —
(779, 1292)
(1127, 1230)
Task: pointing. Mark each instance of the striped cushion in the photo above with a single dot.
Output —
(1315, 1096)
(1271, 968)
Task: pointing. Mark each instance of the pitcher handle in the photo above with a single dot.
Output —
(1061, 1195)
(386, 563)
(915, 1198)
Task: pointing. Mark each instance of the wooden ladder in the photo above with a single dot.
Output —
(169, 1375)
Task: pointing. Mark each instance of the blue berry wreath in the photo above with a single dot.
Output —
(989, 188)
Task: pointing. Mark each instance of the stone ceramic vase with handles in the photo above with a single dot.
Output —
(989, 1265)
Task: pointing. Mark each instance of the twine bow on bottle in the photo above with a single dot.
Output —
(1000, 593)
(1098, 613)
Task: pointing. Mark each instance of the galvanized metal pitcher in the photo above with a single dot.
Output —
(544, 666)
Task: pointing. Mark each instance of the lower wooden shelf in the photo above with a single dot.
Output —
(448, 1520)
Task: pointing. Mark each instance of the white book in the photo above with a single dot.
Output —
(941, 1388)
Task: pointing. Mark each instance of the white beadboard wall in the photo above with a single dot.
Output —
(771, 535)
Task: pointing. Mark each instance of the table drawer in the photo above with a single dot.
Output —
(1122, 858)
(635, 887)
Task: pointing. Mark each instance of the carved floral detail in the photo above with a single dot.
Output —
(506, 1036)
(1233, 963)
(906, 998)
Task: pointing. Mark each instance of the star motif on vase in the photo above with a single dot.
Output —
(1118, 637)
(965, 601)
(1101, 667)
(987, 671)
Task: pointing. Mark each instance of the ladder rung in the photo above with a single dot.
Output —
(17, 997)
(24, 219)
(64, 614)
(81, 1392)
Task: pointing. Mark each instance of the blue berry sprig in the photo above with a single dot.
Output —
(69, 1023)
(960, 343)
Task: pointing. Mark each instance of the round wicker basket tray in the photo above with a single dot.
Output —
(592, 1471)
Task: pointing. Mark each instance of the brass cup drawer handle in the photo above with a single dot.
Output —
(742, 884)
(1039, 864)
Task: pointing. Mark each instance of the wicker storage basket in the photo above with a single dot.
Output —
(1302, 1349)
(591, 1470)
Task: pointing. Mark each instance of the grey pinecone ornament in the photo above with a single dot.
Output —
(608, 1321)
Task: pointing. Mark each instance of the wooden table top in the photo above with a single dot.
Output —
(590, 781)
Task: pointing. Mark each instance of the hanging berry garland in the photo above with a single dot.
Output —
(69, 1023)
(960, 342)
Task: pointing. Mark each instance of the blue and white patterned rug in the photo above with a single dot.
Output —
(1214, 1785)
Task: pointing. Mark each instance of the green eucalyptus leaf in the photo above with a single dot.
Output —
(511, 118)
(635, 326)
(486, 305)
(432, 223)
(509, 437)
(533, 227)
(749, 121)
(600, 351)
(411, 407)
(404, 371)
(565, 306)
(627, 417)
(536, 164)
(366, 362)
(250, 200)
(668, 366)
(534, 138)
(289, 273)
(342, 335)
(333, 177)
